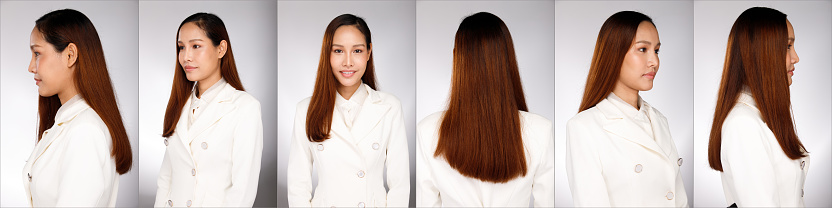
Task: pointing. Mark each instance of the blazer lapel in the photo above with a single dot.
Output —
(370, 115)
(181, 130)
(337, 127)
(624, 127)
(660, 131)
(215, 110)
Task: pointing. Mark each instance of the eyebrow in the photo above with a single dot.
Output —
(648, 42)
(192, 40)
(33, 46)
(791, 39)
(356, 45)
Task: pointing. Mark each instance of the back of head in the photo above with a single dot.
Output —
(480, 135)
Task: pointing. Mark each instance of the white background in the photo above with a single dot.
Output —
(531, 24)
(577, 25)
(117, 26)
(810, 89)
(301, 28)
(251, 29)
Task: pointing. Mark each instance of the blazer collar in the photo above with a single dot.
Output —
(746, 97)
(623, 126)
(371, 113)
(218, 107)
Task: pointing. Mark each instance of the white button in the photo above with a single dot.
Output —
(170, 203)
(188, 203)
(679, 162)
(638, 168)
(361, 204)
(669, 195)
(375, 146)
(30, 176)
(166, 141)
(320, 147)
(193, 172)
(361, 174)
(204, 145)
(802, 164)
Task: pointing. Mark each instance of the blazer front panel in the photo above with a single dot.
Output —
(215, 162)
(610, 161)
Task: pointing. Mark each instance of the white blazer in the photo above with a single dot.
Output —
(71, 165)
(756, 171)
(438, 184)
(217, 161)
(611, 161)
(350, 163)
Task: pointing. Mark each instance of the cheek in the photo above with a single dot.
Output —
(334, 62)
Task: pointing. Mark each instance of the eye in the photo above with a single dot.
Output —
(37, 54)
(180, 48)
(657, 51)
(196, 46)
(642, 49)
(358, 51)
(337, 51)
(789, 47)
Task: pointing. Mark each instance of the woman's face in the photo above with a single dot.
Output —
(197, 54)
(791, 55)
(53, 70)
(642, 60)
(349, 56)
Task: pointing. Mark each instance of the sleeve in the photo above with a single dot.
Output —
(543, 188)
(745, 155)
(299, 174)
(163, 182)
(583, 167)
(246, 154)
(82, 173)
(427, 195)
(398, 163)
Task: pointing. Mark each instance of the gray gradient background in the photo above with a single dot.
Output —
(252, 29)
(301, 27)
(117, 26)
(810, 90)
(531, 24)
(577, 25)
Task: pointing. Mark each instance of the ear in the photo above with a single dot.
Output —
(369, 50)
(71, 55)
(223, 48)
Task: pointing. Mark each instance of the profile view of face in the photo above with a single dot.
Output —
(53, 70)
(197, 54)
(641, 63)
(349, 56)
(791, 54)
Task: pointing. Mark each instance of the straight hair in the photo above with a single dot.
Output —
(481, 133)
(755, 58)
(614, 40)
(181, 90)
(92, 80)
(322, 104)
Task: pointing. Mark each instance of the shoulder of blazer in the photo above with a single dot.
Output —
(239, 98)
(428, 130)
(743, 117)
(538, 126)
(593, 115)
(380, 97)
(303, 106)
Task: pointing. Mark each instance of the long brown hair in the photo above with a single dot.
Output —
(755, 58)
(60, 28)
(322, 104)
(614, 40)
(214, 28)
(480, 135)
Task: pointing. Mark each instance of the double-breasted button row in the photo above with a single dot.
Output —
(638, 168)
(205, 145)
(361, 204)
(360, 174)
(187, 203)
(320, 146)
(669, 195)
(376, 146)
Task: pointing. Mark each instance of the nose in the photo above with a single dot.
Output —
(653, 61)
(348, 62)
(795, 59)
(32, 69)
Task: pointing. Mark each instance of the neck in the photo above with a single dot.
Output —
(67, 94)
(206, 83)
(627, 94)
(347, 91)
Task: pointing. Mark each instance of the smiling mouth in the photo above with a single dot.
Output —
(347, 74)
(189, 68)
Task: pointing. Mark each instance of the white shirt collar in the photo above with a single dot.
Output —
(357, 98)
(210, 93)
(641, 114)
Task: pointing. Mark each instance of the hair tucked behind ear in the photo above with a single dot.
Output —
(480, 134)
(60, 28)
(214, 28)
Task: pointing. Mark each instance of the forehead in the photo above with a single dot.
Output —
(646, 31)
(190, 31)
(790, 28)
(348, 34)
(36, 35)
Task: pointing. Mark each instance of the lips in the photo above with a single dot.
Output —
(37, 81)
(649, 75)
(189, 68)
(791, 72)
(347, 73)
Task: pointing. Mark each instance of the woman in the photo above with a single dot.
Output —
(348, 130)
(619, 149)
(753, 141)
(82, 144)
(486, 149)
(212, 128)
